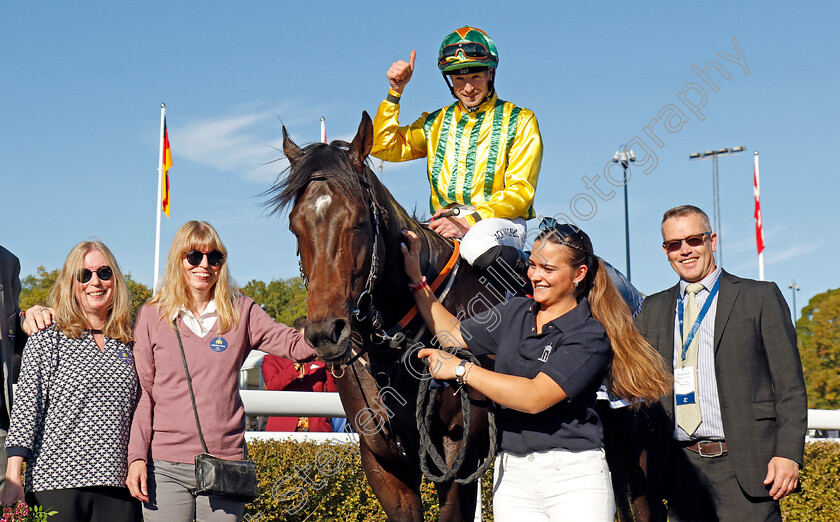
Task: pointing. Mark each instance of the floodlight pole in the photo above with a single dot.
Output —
(716, 190)
(793, 289)
(624, 158)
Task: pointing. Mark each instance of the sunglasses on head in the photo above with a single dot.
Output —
(214, 258)
(694, 241)
(562, 232)
(104, 273)
(470, 50)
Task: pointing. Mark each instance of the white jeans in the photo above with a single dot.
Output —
(553, 485)
(490, 232)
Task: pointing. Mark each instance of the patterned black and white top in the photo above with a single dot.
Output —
(72, 411)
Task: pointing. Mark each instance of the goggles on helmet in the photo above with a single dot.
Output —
(469, 50)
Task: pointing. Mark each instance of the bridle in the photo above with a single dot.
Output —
(365, 315)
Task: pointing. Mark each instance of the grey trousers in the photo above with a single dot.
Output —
(170, 499)
(701, 489)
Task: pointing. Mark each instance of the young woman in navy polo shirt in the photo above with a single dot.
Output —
(551, 352)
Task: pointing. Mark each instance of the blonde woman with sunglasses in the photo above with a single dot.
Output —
(198, 306)
(77, 390)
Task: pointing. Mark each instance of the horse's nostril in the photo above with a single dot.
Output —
(338, 329)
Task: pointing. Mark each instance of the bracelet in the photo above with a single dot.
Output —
(417, 286)
(467, 373)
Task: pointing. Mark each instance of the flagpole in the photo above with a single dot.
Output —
(158, 200)
(759, 222)
(323, 130)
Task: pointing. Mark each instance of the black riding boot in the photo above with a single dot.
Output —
(504, 270)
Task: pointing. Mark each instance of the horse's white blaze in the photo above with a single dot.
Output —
(321, 203)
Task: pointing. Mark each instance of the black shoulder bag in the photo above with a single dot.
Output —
(214, 476)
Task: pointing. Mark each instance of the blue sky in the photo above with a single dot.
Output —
(82, 85)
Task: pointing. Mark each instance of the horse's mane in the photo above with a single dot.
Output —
(318, 161)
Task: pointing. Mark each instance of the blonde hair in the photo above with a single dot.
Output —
(637, 370)
(70, 318)
(175, 293)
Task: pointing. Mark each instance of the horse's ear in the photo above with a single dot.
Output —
(290, 149)
(362, 142)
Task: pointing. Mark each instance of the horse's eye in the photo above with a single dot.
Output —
(360, 225)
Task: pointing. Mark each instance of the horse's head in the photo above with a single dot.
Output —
(334, 225)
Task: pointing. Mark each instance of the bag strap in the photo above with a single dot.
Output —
(189, 383)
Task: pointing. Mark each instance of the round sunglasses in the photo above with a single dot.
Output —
(104, 273)
(214, 258)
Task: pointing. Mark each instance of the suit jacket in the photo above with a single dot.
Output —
(12, 337)
(759, 375)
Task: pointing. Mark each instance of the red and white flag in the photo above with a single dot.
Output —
(759, 224)
(759, 232)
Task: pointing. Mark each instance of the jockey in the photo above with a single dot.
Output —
(483, 154)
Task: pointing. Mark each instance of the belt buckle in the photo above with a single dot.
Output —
(705, 443)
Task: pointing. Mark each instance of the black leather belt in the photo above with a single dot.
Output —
(706, 448)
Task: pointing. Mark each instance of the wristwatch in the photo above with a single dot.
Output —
(460, 370)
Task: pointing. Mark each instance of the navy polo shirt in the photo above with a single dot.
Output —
(573, 350)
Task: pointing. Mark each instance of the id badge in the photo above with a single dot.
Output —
(684, 390)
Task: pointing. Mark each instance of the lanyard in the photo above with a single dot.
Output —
(700, 316)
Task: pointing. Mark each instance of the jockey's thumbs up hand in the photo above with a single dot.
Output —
(400, 73)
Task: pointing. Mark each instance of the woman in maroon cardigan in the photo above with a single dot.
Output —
(218, 327)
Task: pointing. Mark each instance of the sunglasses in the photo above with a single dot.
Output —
(104, 273)
(214, 258)
(562, 232)
(693, 241)
(470, 50)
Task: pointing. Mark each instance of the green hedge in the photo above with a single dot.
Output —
(819, 500)
(307, 481)
(310, 481)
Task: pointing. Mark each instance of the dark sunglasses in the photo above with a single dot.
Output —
(104, 273)
(697, 240)
(470, 50)
(562, 232)
(214, 258)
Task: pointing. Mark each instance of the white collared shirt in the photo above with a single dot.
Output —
(202, 324)
(711, 426)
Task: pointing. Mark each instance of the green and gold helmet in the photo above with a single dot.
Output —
(467, 48)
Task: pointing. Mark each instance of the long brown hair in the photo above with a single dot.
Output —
(175, 293)
(637, 370)
(69, 316)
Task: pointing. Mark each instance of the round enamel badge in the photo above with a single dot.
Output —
(218, 344)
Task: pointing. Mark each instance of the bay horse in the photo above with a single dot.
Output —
(349, 229)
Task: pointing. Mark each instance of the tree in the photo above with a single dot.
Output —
(819, 345)
(140, 293)
(283, 299)
(35, 289)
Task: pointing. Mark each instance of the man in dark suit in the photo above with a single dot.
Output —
(12, 340)
(729, 442)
